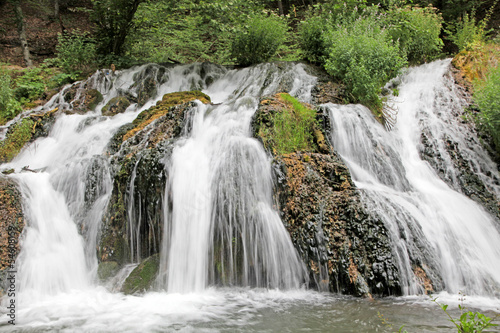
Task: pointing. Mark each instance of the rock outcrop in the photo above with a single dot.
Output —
(11, 226)
(132, 226)
(345, 249)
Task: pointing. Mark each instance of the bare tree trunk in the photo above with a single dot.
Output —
(280, 7)
(21, 30)
(56, 8)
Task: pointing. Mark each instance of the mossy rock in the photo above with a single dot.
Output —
(116, 105)
(163, 107)
(142, 277)
(11, 225)
(25, 130)
(107, 269)
(18, 135)
(92, 98)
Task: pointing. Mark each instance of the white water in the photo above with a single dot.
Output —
(221, 227)
(56, 268)
(432, 225)
(66, 198)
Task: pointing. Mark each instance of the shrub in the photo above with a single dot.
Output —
(417, 31)
(363, 57)
(467, 32)
(9, 106)
(311, 39)
(487, 97)
(76, 52)
(260, 40)
(30, 86)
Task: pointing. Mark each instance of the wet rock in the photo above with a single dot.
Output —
(107, 269)
(345, 249)
(24, 131)
(142, 277)
(11, 226)
(115, 105)
(139, 152)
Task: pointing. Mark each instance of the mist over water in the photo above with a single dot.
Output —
(219, 215)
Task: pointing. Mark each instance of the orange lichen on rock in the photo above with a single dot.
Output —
(11, 223)
(163, 107)
(424, 280)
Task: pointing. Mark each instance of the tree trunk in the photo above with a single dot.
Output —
(21, 30)
(56, 8)
(280, 7)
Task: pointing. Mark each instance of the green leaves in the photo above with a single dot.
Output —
(76, 52)
(487, 98)
(9, 106)
(363, 57)
(260, 40)
(468, 322)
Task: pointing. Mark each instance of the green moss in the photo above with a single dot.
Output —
(143, 276)
(17, 136)
(115, 105)
(93, 98)
(291, 128)
(107, 269)
(163, 107)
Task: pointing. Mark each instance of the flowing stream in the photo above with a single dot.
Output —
(219, 216)
(432, 224)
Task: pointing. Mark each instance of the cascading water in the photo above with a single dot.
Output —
(432, 226)
(221, 227)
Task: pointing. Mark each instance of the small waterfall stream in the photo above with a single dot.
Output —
(433, 226)
(222, 228)
(226, 260)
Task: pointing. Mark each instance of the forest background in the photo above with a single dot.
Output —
(361, 44)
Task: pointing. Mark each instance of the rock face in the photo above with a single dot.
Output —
(133, 223)
(25, 130)
(11, 227)
(344, 248)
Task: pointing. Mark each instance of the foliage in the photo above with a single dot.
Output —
(187, 30)
(259, 40)
(17, 136)
(467, 31)
(311, 38)
(468, 322)
(114, 20)
(76, 52)
(293, 127)
(417, 31)
(389, 325)
(487, 98)
(9, 106)
(30, 86)
(363, 57)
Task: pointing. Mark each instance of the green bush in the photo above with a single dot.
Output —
(311, 38)
(30, 86)
(259, 40)
(363, 57)
(9, 106)
(417, 31)
(467, 32)
(487, 97)
(76, 52)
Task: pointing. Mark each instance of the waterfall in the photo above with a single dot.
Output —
(222, 227)
(433, 225)
(220, 224)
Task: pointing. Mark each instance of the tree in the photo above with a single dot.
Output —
(21, 30)
(114, 19)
